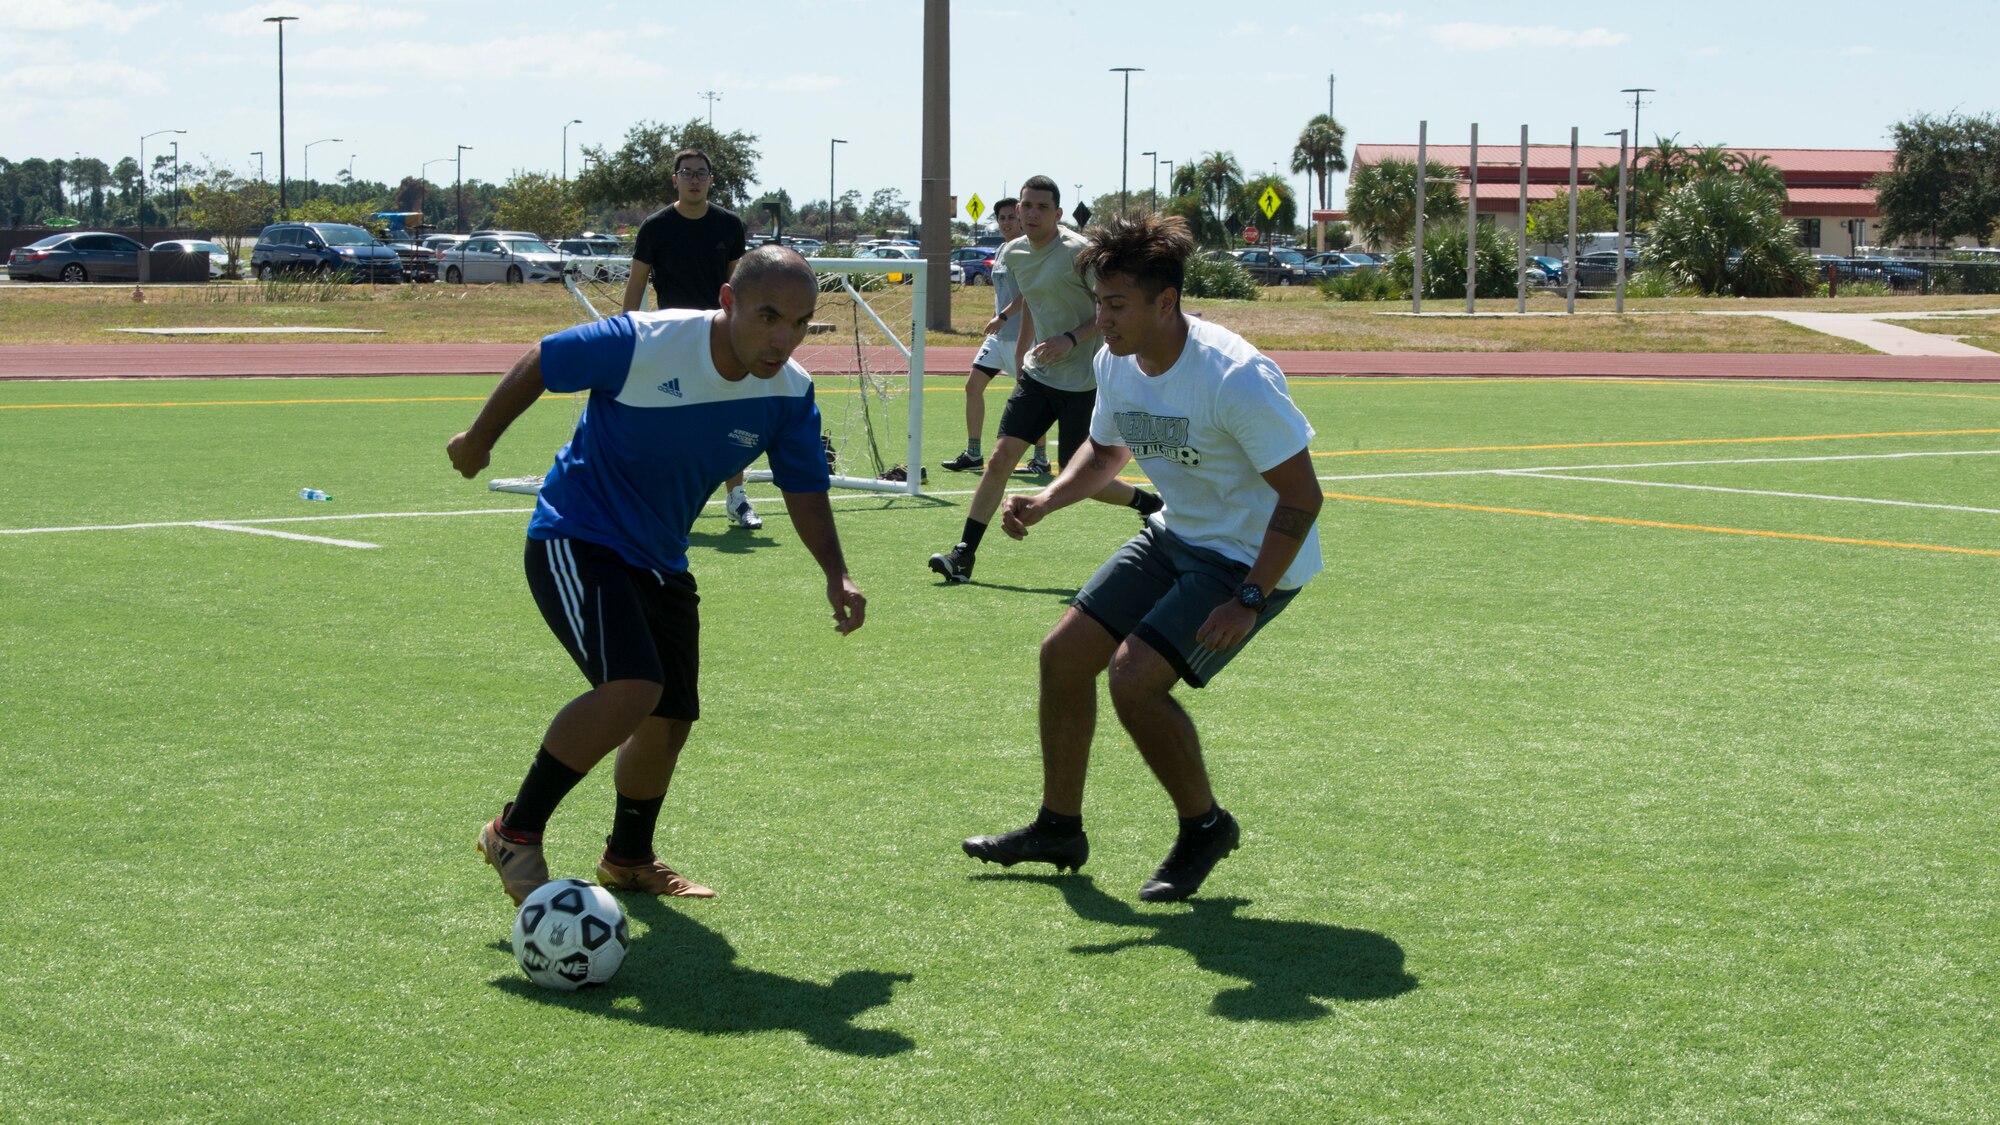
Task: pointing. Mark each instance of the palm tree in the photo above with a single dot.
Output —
(1218, 173)
(1382, 200)
(1319, 151)
(1763, 175)
(1727, 236)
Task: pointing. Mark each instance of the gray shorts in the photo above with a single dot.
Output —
(1160, 588)
(996, 354)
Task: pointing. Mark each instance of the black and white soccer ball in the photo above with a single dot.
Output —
(569, 934)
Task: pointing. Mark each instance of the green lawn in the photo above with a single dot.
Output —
(1545, 818)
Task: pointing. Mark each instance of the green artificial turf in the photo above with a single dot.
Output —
(1545, 819)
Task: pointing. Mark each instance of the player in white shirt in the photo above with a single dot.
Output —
(1210, 421)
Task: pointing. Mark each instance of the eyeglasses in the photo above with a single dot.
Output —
(692, 174)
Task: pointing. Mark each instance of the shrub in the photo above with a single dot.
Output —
(1444, 263)
(1363, 285)
(1220, 278)
(1653, 283)
(1725, 235)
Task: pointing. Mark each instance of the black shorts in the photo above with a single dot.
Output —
(621, 622)
(1035, 406)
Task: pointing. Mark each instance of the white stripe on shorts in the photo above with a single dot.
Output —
(562, 566)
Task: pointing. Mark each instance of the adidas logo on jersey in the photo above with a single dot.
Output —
(744, 438)
(672, 387)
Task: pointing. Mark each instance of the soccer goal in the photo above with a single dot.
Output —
(865, 354)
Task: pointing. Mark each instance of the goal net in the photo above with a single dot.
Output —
(865, 352)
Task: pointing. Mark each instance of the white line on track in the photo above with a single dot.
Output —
(1752, 492)
(291, 535)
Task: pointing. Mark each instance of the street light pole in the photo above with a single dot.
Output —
(1125, 138)
(283, 199)
(1156, 179)
(459, 160)
(565, 162)
(1635, 91)
(309, 162)
(174, 199)
(142, 179)
(711, 95)
(1620, 134)
(259, 154)
(829, 188)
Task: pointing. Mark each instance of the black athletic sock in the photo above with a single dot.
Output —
(1145, 502)
(973, 533)
(1206, 822)
(1057, 824)
(631, 839)
(547, 783)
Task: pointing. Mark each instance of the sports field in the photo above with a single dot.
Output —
(1633, 759)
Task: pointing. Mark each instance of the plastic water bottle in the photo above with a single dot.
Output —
(313, 494)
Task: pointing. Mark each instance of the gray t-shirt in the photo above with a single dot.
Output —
(1060, 299)
(1004, 292)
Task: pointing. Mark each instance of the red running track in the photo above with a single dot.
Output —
(302, 360)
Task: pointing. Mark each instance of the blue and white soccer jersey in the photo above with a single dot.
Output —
(662, 430)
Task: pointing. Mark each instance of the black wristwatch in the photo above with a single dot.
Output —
(1250, 596)
(1072, 338)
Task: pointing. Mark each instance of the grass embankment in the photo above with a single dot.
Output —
(1282, 319)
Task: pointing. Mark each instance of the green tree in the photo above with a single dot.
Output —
(887, 210)
(1320, 152)
(1207, 230)
(1218, 175)
(232, 208)
(540, 203)
(1382, 200)
(1725, 235)
(1444, 261)
(641, 171)
(325, 210)
(1245, 205)
(1945, 182)
(1549, 218)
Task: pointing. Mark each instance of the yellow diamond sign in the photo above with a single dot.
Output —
(1269, 201)
(976, 207)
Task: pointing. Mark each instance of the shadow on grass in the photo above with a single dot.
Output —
(1288, 967)
(685, 977)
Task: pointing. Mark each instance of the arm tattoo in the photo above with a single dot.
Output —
(1294, 522)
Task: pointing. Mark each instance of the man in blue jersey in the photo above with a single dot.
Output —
(679, 401)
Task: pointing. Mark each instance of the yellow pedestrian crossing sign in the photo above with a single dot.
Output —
(1269, 201)
(976, 207)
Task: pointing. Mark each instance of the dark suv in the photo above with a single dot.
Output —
(323, 249)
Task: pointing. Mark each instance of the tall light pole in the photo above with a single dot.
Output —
(281, 21)
(174, 199)
(1329, 93)
(459, 160)
(1156, 178)
(1125, 138)
(1170, 173)
(1620, 134)
(711, 95)
(829, 187)
(142, 178)
(259, 154)
(1635, 91)
(309, 161)
(565, 162)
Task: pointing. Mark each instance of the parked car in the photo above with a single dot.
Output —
(602, 259)
(76, 256)
(1278, 267)
(325, 250)
(439, 243)
(419, 264)
(806, 246)
(909, 252)
(1599, 270)
(218, 258)
(977, 262)
(1552, 268)
(1333, 262)
(511, 257)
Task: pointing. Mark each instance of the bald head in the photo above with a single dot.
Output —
(771, 264)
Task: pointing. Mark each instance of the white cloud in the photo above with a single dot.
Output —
(101, 79)
(318, 18)
(1382, 21)
(76, 15)
(1713, 50)
(1504, 37)
(1244, 30)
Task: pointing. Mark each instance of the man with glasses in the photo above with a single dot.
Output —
(688, 250)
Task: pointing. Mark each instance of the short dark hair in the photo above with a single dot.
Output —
(1152, 250)
(769, 262)
(1043, 183)
(1010, 201)
(687, 152)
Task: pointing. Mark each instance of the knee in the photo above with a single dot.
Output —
(634, 699)
(1065, 661)
(1139, 679)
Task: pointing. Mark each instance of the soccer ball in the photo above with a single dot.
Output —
(570, 933)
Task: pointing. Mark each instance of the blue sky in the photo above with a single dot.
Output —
(405, 82)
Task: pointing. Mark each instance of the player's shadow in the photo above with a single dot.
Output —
(685, 977)
(1288, 968)
(731, 540)
(1066, 593)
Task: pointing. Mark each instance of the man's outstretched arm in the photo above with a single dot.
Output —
(472, 451)
(812, 516)
(1085, 475)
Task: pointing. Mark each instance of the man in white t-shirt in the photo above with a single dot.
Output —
(997, 353)
(1209, 419)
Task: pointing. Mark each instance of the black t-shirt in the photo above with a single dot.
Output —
(689, 257)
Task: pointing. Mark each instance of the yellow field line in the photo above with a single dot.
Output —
(1673, 441)
(1734, 386)
(1660, 524)
(303, 401)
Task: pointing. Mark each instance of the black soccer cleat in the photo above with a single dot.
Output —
(1192, 857)
(1037, 466)
(955, 566)
(965, 462)
(1030, 845)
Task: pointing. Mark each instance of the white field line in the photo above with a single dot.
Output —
(1755, 492)
(1663, 464)
(291, 535)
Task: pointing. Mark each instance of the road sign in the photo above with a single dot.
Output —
(1268, 202)
(1252, 234)
(975, 207)
(1081, 214)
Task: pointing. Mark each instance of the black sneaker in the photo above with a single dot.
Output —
(955, 566)
(1030, 845)
(1193, 856)
(1037, 466)
(965, 462)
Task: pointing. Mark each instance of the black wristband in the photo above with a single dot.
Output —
(1003, 318)
(1072, 338)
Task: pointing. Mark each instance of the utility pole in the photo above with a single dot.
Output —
(1635, 91)
(459, 160)
(934, 202)
(711, 95)
(1155, 162)
(1125, 138)
(830, 150)
(283, 200)
(1329, 93)
(259, 154)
